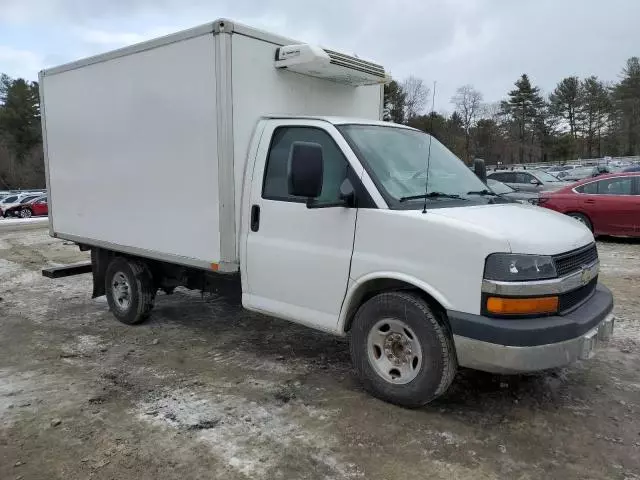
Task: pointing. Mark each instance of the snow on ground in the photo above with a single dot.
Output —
(251, 438)
(10, 224)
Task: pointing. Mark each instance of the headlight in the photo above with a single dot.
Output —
(509, 267)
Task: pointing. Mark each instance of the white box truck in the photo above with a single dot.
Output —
(228, 159)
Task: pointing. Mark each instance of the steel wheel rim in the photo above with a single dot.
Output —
(394, 351)
(121, 291)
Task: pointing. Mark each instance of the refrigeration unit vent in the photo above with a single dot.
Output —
(329, 65)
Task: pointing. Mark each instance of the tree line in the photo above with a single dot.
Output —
(580, 118)
(21, 157)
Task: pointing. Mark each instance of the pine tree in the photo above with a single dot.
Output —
(20, 114)
(394, 102)
(626, 95)
(566, 102)
(522, 108)
(595, 108)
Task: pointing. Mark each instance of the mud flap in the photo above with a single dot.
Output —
(99, 262)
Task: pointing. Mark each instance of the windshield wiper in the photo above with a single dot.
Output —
(431, 195)
(482, 192)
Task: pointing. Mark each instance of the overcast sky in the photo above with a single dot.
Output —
(487, 43)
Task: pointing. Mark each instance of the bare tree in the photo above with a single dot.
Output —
(416, 96)
(468, 103)
(491, 111)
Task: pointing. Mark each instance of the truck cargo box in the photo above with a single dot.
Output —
(145, 147)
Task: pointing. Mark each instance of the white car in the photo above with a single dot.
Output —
(13, 201)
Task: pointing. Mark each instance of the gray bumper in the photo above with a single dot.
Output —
(532, 344)
(494, 358)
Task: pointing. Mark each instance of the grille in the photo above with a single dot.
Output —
(574, 298)
(573, 261)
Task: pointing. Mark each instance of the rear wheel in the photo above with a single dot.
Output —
(583, 219)
(130, 290)
(400, 350)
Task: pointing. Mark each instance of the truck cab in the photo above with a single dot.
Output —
(342, 232)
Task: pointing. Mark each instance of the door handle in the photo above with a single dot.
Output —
(255, 218)
(589, 200)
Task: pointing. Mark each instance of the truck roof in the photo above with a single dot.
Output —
(339, 120)
(217, 26)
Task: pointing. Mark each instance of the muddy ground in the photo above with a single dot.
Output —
(206, 390)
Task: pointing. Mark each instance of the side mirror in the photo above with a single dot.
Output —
(534, 182)
(305, 169)
(480, 169)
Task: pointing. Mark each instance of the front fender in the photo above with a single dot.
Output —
(359, 286)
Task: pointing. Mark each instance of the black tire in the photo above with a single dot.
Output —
(582, 219)
(141, 290)
(438, 365)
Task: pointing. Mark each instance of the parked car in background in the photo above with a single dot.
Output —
(12, 201)
(607, 205)
(528, 180)
(585, 172)
(506, 191)
(30, 207)
(632, 168)
(555, 170)
(576, 174)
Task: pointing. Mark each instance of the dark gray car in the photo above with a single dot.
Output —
(528, 180)
(507, 192)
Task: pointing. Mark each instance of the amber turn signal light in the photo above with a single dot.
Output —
(522, 306)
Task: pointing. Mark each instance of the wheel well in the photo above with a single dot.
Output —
(570, 212)
(379, 285)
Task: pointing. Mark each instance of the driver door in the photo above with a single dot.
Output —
(298, 259)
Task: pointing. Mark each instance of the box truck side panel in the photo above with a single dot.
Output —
(132, 152)
(260, 89)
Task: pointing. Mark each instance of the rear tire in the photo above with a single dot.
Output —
(130, 290)
(583, 219)
(400, 350)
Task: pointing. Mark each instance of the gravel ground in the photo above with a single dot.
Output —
(207, 390)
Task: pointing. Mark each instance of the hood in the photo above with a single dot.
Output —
(528, 229)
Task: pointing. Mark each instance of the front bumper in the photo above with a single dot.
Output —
(532, 344)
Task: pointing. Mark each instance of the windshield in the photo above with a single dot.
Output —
(546, 177)
(396, 158)
(499, 187)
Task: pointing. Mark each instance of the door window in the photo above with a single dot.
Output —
(504, 177)
(276, 183)
(616, 186)
(588, 188)
(522, 177)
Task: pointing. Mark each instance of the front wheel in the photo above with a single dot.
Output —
(130, 290)
(25, 213)
(402, 353)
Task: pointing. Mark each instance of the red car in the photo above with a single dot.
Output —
(31, 208)
(608, 204)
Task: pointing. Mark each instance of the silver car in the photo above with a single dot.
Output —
(528, 180)
(506, 191)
